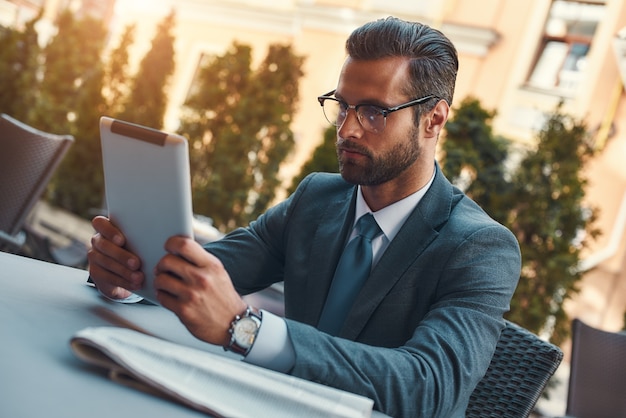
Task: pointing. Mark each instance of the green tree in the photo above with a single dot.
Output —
(551, 223)
(116, 77)
(238, 121)
(324, 158)
(71, 102)
(475, 158)
(540, 200)
(70, 57)
(78, 184)
(148, 100)
(19, 53)
(76, 89)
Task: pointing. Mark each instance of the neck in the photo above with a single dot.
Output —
(380, 196)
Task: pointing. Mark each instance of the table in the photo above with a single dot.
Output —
(41, 306)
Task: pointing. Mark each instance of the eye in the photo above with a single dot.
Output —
(371, 113)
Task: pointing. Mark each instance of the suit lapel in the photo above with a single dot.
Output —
(419, 230)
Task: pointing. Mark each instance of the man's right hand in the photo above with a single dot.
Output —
(113, 269)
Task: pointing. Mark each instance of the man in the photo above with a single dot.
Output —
(422, 328)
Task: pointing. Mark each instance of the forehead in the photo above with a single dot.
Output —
(383, 80)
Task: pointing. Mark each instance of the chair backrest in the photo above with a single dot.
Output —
(28, 158)
(518, 373)
(597, 383)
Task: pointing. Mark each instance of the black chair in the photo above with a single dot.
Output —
(519, 371)
(28, 159)
(597, 383)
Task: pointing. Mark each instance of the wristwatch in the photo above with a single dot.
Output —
(243, 331)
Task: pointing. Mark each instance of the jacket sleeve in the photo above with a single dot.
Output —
(255, 256)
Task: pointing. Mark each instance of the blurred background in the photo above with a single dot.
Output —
(536, 134)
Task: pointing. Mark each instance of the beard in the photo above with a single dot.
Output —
(379, 169)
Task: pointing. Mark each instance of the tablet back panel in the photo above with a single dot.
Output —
(148, 189)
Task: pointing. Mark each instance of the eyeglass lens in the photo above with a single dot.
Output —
(370, 117)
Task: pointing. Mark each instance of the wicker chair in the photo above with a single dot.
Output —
(27, 161)
(519, 371)
(597, 372)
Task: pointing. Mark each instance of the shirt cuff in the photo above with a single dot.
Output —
(272, 347)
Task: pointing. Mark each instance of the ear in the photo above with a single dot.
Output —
(434, 121)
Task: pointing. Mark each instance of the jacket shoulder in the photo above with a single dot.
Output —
(322, 186)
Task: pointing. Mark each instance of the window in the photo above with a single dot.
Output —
(567, 37)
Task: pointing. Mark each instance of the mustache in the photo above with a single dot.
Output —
(351, 146)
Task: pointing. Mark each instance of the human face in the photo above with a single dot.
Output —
(372, 159)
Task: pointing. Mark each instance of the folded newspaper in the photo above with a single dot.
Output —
(209, 382)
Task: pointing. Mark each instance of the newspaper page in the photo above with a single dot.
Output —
(209, 382)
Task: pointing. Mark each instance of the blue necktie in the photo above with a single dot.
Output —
(352, 271)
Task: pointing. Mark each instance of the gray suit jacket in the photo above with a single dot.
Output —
(424, 326)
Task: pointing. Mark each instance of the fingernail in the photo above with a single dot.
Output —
(132, 263)
(118, 240)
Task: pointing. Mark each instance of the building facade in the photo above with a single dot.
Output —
(520, 58)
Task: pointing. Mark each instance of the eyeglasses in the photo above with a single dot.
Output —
(371, 117)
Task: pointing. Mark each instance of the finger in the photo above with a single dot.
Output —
(171, 286)
(167, 300)
(109, 283)
(111, 271)
(188, 249)
(101, 244)
(103, 226)
(198, 275)
(175, 266)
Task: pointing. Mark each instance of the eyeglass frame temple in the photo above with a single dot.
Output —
(323, 97)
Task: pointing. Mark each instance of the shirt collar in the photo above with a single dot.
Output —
(392, 217)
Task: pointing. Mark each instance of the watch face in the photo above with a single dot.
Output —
(245, 331)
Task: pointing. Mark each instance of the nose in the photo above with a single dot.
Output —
(351, 126)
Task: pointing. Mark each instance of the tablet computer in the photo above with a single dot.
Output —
(147, 188)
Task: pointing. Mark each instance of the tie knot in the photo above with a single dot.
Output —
(367, 227)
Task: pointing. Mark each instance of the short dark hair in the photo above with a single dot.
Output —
(434, 61)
